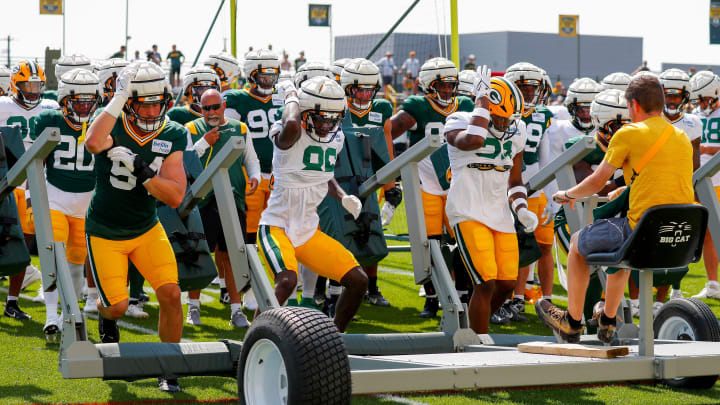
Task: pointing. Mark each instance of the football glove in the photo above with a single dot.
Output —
(352, 204)
(394, 196)
(548, 214)
(387, 213)
(528, 219)
(284, 88)
(132, 162)
(482, 81)
(123, 89)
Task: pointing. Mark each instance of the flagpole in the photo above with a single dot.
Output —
(63, 16)
(577, 32)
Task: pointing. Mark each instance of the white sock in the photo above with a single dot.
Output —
(713, 284)
(92, 292)
(531, 276)
(51, 305)
(547, 297)
(222, 283)
(309, 279)
(76, 273)
(520, 296)
(235, 307)
(194, 302)
(11, 298)
(335, 289)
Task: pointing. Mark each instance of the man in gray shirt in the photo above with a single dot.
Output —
(387, 68)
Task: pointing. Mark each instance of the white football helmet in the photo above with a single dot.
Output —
(309, 70)
(322, 107)
(68, 63)
(79, 94)
(262, 69)
(705, 89)
(580, 95)
(609, 113)
(360, 79)
(225, 66)
(435, 72)
(337, 67)
(4, 81)
(107, 74)
(675, 82)
(529, 79)
(617, 80)
(148, 86)
(466, 83)
(198, 80)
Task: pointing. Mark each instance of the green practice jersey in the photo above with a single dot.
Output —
(378, 113)
(536, 124)
(121, 208)
(258, 114)
(430, 119)
(183, 115)
(232, 127)
(69, 166)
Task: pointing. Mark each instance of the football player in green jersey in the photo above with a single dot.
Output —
(195, 82)
(70, 178)
(421, 116)
(138, 161)
(530, 80)
(209, 134)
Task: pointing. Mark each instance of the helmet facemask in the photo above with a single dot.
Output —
(322, 126)
(361, 95)
(502, 128)
(605, 132)
(444, 90)
(706, 104)
(581, 118)
(675, 101)
(531, 91)
(29, 93)
(78, 108)
(264, 79)
(196, 90)
(142, 111)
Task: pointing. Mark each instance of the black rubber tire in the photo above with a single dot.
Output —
(704, 324)
(316, 361)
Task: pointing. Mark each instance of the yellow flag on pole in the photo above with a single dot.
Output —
(53, 7)
(567, 25)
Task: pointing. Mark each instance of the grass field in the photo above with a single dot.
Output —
(29, 365)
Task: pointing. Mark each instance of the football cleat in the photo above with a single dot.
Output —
(109, 331)
(709, 291)
(13, 311)
(239, 320)
(249, 301)
(431, 308)
(224, 296)
(32, 275)
(52, 332)
(376, 298)
(193, 316)
(501, 317)
(135, 311)
(91, 304)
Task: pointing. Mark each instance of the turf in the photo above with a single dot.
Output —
(30, 365)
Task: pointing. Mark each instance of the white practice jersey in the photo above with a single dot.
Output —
(12, 114)
(481, 195)
(560, 112)
(561, 131)
(690, 124)
(300, 177)
(710, 136)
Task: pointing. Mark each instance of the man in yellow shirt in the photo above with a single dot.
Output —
(666, 179)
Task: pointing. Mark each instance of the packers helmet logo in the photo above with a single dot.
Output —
(495, 97)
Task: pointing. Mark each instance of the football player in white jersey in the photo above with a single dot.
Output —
(705, 92)
(579, 96)
(306, 143)
(485, 148)
(226, 67)
(27, 83)
(617, 81)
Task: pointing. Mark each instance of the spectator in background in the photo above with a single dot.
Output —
(300, 60)
(692, 71)
(470, 65)
(154, 55)
(119, 54)
(176, 59)
(410, 69)
(387, 68)
(285, 63)
(642, 68)
(137, 56)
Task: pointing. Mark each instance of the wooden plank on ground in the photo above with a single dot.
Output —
(573, 349)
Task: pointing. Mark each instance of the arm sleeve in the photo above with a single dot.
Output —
(232, 113)
(251, 162)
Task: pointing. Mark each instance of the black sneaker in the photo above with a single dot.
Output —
(501, 317)
(13, 311)
(109, 332)
(558, 320)
(224, 296)
(512, 311)
(319, 298)
(144, 297)
(168, 384)
(518, 304)
(431, 308)
(376, 298)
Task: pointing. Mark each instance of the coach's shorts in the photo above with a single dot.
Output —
(213, 228)
(487, 253)
(543, 233)
(603, 235)
(323, 254)
(151, 253)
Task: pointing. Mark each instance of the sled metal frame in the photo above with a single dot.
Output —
(497, 362)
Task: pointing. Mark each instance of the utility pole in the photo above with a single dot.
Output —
(8, 50)
(127, 37)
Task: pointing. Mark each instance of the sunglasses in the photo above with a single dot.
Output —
(212, 107)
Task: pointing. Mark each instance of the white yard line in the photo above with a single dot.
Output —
(399, 400)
